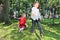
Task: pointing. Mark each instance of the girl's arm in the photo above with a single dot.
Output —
(33, 12)
(17, 18)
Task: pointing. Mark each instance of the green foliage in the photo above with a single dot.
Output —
(23, 5)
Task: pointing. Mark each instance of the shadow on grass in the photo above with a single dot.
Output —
(37, 36)
(51, 35)
(50, 22)
(16, 35)
(26, 34)
(7, 24)
(11, 22)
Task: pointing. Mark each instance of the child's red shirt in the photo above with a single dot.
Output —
(22, 21)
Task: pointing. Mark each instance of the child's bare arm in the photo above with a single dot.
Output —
(17, 18)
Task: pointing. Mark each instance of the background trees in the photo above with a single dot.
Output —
(8, 7)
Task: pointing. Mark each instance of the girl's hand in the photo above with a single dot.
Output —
(33, 14)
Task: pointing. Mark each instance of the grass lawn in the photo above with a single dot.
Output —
(11, 32)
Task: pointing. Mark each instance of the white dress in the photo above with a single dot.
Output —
(36, 12)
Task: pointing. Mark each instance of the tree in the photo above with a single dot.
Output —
(1, 8)
(6, 11)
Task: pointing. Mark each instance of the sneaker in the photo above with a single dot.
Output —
(21, 30)
(42, 37)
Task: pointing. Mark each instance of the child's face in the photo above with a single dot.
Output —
(36, 5)
(24, 15)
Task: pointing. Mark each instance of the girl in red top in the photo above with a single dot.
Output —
(22, 22)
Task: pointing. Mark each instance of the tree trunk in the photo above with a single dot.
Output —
(0, 12)
(1, 8)
(6, 11)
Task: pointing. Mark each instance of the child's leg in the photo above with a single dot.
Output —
(24, 26)
(40, 29)
(33, 23)
(39, 26)
(21, 29)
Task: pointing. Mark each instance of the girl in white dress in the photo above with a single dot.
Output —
(36, 16)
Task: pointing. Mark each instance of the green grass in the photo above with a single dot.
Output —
(11, 32)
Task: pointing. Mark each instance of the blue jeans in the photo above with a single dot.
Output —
(39, 25)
